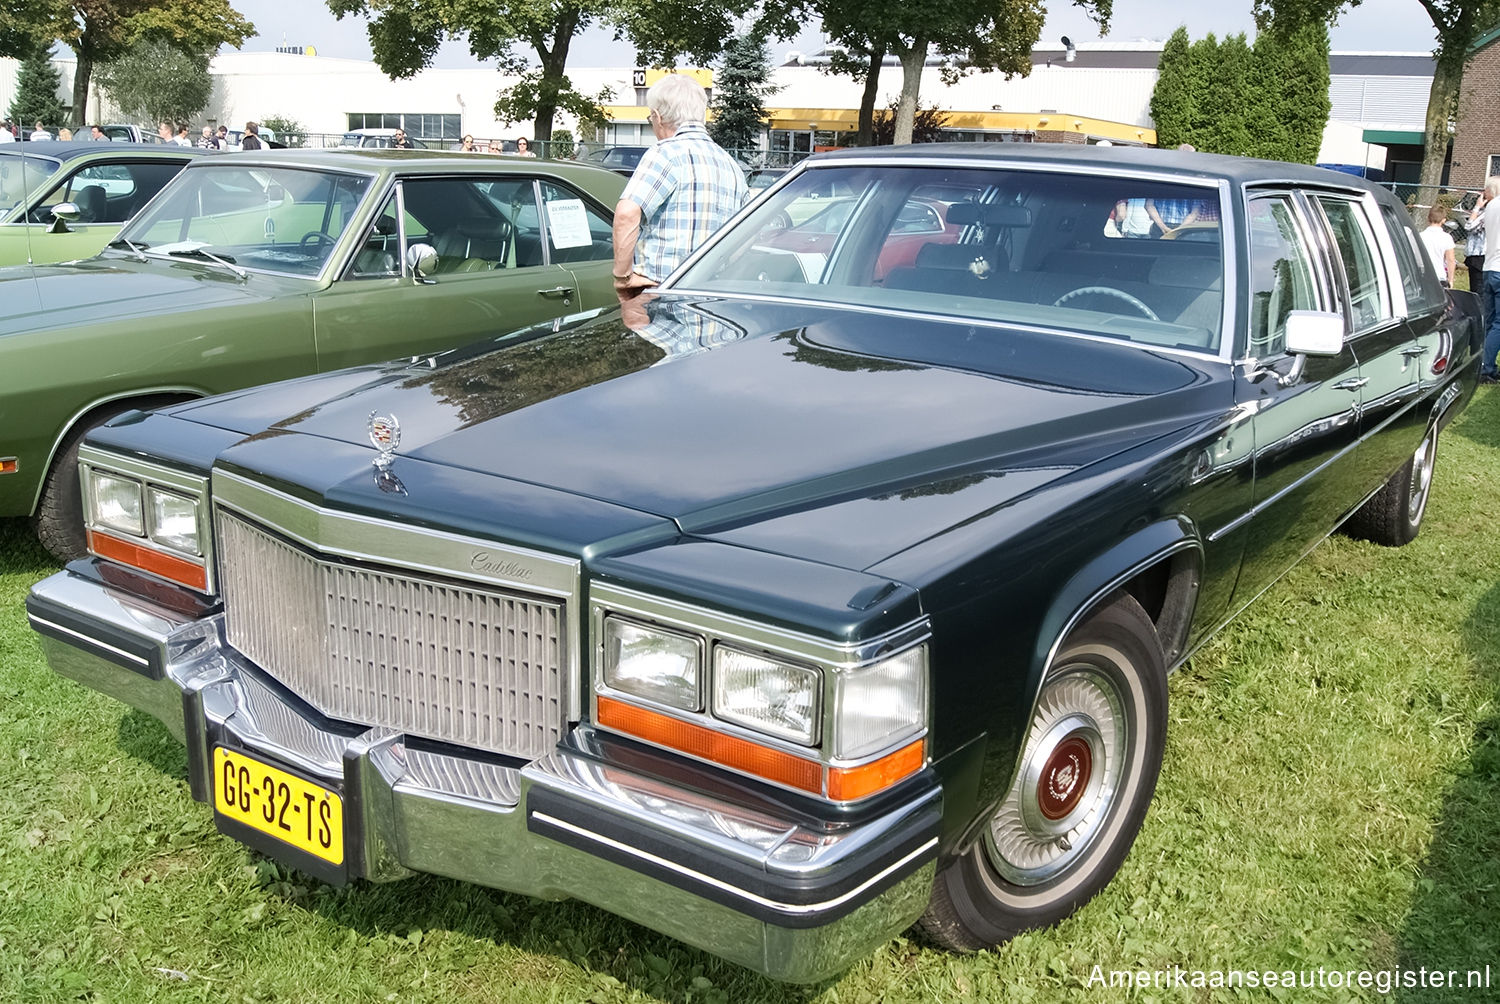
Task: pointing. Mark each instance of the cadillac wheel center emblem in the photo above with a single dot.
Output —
(385, 436)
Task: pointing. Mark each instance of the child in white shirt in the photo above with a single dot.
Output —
(1439, 244)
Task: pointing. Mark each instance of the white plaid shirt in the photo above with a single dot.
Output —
(687, 187)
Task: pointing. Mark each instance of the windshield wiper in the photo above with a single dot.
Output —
(207, 255)
(135, 249)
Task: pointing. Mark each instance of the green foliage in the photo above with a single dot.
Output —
(927, 125)
(740, 89)
(99, 31)
(288, 130)
(156, 82)
(1174, 99)
(36, 97)
(1269, 100)
(405, 35)
(984, 35)
(562, 144)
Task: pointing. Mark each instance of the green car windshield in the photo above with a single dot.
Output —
(1132, 258)
(272, 219)
(21, 176)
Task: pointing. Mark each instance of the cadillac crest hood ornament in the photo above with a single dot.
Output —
(385, 436)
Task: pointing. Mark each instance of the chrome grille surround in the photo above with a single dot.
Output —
(434, 635)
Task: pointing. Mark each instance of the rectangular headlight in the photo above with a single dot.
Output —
(117, 503)
(879, 705)
(174, 520)
(652, 663)
(777, 698)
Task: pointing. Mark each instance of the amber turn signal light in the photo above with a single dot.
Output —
(843, 784)
(148, 560)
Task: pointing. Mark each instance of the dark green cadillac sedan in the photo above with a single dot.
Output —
(830, 590)
(257, 267)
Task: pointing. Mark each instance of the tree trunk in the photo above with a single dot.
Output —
(913, 58)
(81, 74)
(867, 99)
(1442, 99)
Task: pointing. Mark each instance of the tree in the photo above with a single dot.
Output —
(405, 35)
(740, 89)
(1269, 100)
(927, 125)
(155, 82)
(286, 129)
(985, 35)
(99, 31)
(36, 92)
(1174, 99)
(1458, 22)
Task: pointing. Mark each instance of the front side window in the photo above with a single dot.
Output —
(1027, 247)
(1281, 273)
(1368, 302)
(576, 230)
(269, 218)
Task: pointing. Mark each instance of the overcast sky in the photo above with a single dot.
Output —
(1389, 25)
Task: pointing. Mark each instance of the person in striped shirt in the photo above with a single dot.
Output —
(684, 189)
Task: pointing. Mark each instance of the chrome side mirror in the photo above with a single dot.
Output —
(1311, 333)
(62, 214)
(422, 259)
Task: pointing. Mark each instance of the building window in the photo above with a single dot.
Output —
(1494, 165)
(417, 126)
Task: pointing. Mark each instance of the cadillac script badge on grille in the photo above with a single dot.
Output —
(385, 436)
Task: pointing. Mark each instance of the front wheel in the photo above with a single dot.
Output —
(1087, 773)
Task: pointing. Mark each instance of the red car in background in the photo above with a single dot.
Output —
(921, 221)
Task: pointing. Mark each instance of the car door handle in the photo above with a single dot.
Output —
(1353, 383)
(1412, 351)
(556, 291)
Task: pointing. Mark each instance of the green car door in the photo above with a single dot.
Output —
(510, 250)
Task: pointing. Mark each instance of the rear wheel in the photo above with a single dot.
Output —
(1086, 777)
(1393, 515)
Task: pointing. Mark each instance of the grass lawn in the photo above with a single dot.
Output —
(1329, 799)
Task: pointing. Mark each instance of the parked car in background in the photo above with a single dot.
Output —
(789, 607)
(67, 199)
(621, 159)
(235, 138)
(377, 138)
(124, 133)
(256, 267)
(924, 222)
(757, 178)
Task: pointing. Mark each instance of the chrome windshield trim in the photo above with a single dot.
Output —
(967, 321)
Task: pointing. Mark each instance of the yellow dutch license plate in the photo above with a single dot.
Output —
(305, 815)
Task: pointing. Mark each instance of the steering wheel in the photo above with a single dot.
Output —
(1118, 294)
(315, 238)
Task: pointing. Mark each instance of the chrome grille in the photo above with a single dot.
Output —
(472, 666)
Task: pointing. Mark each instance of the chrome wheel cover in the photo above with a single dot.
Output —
(1421, 478)
(1070, 776)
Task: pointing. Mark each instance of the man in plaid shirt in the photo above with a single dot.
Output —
(684, 189)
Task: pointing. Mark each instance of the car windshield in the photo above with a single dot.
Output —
(1120, 257)
(22, 175)
(273, 219)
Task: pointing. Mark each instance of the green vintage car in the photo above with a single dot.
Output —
(95, 187)
(250, 268)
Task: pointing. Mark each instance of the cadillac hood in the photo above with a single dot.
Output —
(725, 415)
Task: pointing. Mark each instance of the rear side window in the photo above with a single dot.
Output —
(1368, 304)
(1420, 296)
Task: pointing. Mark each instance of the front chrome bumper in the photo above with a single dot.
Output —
(764, 887)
